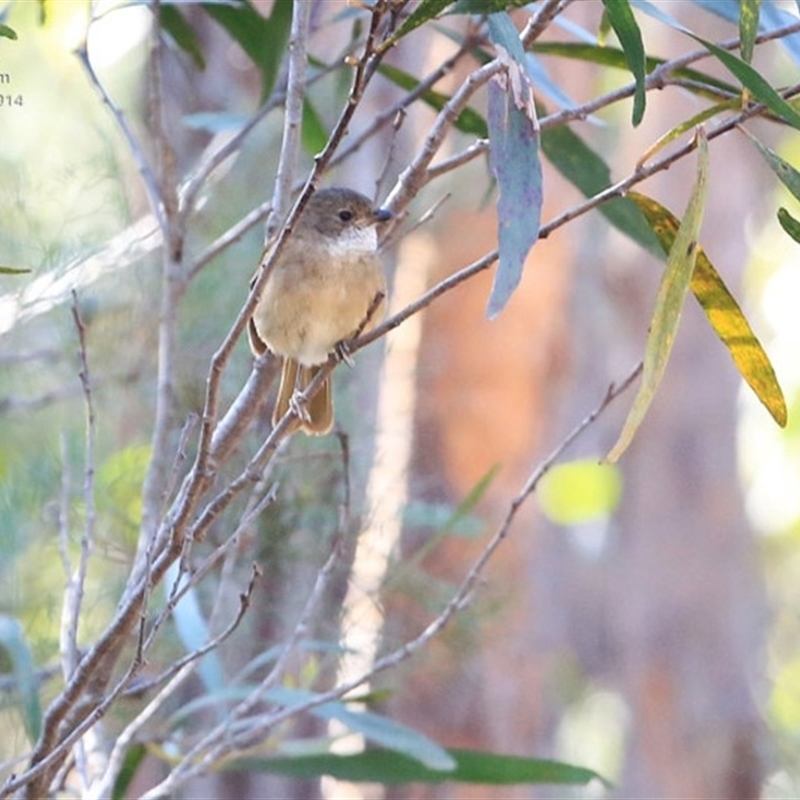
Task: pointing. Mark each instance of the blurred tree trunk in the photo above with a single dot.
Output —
(663, 606)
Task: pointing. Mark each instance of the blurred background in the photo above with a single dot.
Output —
(653, 637)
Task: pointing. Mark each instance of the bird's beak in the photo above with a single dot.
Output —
(382, 214)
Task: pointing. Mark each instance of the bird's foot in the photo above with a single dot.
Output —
(298, 405)
(342, 351)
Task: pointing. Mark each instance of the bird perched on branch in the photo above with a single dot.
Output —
(326, 285)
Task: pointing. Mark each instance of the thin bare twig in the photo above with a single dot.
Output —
(250, 730)
(215, 744)
(293, 116)
(179, 672)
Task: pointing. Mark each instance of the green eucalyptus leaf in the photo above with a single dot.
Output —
(586, 170)
(182, 33)
(752, 80)
(468, 121)
(392, 768)
(624, 24)
(789, 223)
(748, 27)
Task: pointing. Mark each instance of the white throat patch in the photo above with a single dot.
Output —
(355, 241)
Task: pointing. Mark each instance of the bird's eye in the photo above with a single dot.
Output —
(345, 215)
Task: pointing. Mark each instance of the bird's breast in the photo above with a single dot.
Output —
(312, 304)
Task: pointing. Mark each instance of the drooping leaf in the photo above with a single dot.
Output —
(375, 728)
(630, 37)
(789, 223)
(15, 646)
(669, 303)
(6, 32)
(748, 27)
(771, 17)
(182, 33)
(468, 121)
(514, 160)
(787, 174)
(697, 82)
(391, 768)
(586, 170)
(545, 85)
(579, 491)
(263, 39)
(723, 313)
(758, 86)
(687, 125)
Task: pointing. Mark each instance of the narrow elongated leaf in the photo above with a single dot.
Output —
(630, 37)
(6, 32)
(182, 33)
(697, 82)
(586, 170)
(514, 160)
(391, 768)
(13, 270)
(503, 32)
(374, 727)
(787, 174)
(12, 641)
(758, 86)
(748, 27)
(772, 16)
(686, 125)
(262, 38)
(669, 303)
(194, 633)
(468, 121)
(130, 766)
(723, 313)
(545, 86)
(789, 223)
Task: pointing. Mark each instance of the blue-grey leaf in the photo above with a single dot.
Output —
(514, 160)
(503, 32)
(374, 727)
(625, 26)
(544, 84)
(772, 17)
(194, 633)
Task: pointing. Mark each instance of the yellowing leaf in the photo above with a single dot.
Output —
(669, 303)
(723, 313)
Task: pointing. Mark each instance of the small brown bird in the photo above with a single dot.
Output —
(321, 290)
